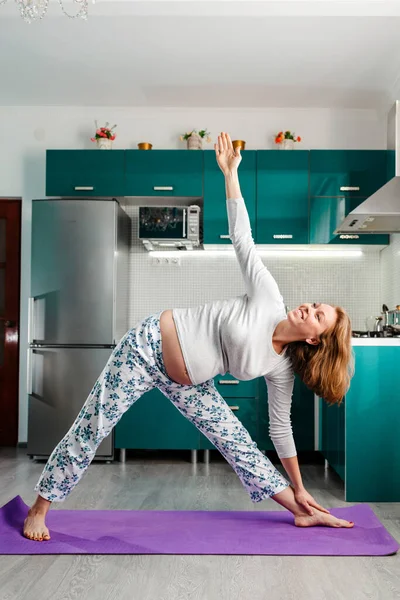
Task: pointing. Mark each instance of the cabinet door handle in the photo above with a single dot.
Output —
(345, 188)
(234, 407)
(228, 381)
(224, 237)
(84, 188)
(163, 188)
(282, 236)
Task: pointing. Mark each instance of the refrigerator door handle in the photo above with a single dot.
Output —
(31, 308)
(29, 372)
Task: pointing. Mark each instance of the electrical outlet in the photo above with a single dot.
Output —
(166, 261)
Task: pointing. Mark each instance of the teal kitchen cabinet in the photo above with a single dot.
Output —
(302, 417)
(326, 213)
(347, 172)
(215, 219)
(164, 173)
(246, 410)
(360, 438)
(85, 173)
(153, 422)
(230, 387)
(282, 197)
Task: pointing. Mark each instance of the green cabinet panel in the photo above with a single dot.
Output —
(332, 442)
(302, 417)
(373, 426)
(230, 387)
(85, 173)
(282, 197)
(360, 437)
(326, 213)
(153, 422)
(332, 171)
(246, 410)
(341, 447)
(164, 173)
(215, 219)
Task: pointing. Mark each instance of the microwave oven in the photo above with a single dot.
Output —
(169, 226)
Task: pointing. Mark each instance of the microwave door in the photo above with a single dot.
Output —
(162, 222)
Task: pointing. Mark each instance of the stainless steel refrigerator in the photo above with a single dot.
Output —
(77, 314)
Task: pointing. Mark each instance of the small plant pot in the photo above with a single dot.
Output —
(239, 144)
(286, 145)
(104, 144)
(194, 142)
(145, 146)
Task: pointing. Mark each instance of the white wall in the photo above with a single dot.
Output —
(28, 131)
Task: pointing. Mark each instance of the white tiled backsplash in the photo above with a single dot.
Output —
(349, 282)
(390, 272)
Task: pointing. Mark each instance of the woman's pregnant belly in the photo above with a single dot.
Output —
(171, 350)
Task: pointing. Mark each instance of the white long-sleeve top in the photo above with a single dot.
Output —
(235, 335)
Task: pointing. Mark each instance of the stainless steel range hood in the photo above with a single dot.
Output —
(380, 213)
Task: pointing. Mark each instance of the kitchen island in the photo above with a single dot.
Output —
(361, 438)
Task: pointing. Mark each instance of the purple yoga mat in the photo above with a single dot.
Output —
(193, 532)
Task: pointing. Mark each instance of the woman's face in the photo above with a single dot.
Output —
(310, 320)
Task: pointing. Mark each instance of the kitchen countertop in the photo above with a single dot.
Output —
(375, 341)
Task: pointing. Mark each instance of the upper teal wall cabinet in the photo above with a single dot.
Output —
(164, 173)
(347, 172)
(85, 173)
(282, 197)
(326, 213)
(215, 213)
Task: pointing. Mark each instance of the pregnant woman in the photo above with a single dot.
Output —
(179, 351)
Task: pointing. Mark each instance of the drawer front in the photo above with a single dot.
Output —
(164, 173)
(246, 410)
(85, 173)
(215, 214)
(230, 387)
(347, 172)
(282, 197)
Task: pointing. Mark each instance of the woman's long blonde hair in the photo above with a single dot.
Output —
(328, 367)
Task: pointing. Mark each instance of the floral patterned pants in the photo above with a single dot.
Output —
(135, 367)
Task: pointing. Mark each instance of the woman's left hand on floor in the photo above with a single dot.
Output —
(307, 501)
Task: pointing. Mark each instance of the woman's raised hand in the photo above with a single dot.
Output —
(228, 158)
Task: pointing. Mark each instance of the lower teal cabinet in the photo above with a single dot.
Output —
(332, 435)
(215, 219)
(360, 439)
(282, 197)
(153, 422)
(230, 387)
(246, 410)
(327, 213)
(302, 417)
(164, 173)
(85, 173)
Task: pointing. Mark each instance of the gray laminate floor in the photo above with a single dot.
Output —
(173, 483)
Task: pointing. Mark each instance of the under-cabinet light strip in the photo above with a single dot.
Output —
(287, 253)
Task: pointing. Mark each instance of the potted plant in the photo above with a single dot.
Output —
(104, 137)
(195, 138)
(286, 140)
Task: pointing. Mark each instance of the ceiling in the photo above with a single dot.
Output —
(143, 54)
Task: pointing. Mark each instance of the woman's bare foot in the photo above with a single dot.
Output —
(35, 527)
(34, 524)
(320, 518)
